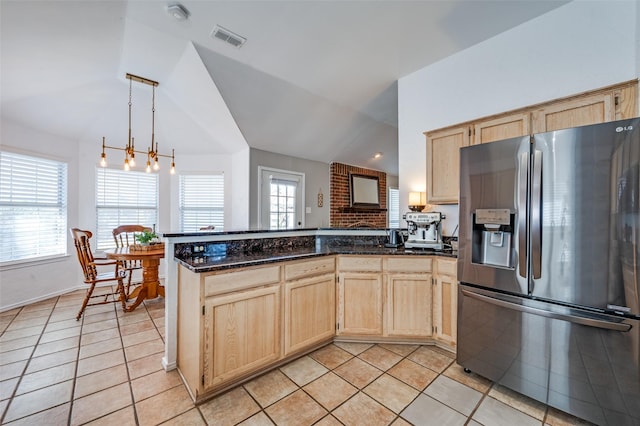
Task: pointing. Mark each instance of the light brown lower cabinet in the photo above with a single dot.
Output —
(408, 296)
(445, 302)
(241, 333)
(409, 305)
(360, 296)
(235, 324)
(390, 298)
(309, 312)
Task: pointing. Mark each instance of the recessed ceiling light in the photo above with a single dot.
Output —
(377, 155)
(178, 11)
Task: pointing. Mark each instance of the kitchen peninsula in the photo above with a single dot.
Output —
(240, 303)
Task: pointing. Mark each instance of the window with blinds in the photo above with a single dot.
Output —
(33, 207)
(201, 202)
(394, 208)
(123, 198)
(282, 204)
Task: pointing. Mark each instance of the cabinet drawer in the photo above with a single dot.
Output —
(293, 271)
(407, 264)
(238, 280)
(447, 267)
(360, 263)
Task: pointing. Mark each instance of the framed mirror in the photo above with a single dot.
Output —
(364, 191)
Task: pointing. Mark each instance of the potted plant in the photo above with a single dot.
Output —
(146, 237)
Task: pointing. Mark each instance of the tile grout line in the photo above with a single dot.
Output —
(404, 357)
(126, 364)
(75, 373)
(13, 394)
(26, 366)
(332, 370)
(451, 361)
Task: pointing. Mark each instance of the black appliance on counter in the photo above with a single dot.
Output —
(549, 268)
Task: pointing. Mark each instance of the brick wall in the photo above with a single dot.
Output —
(341, 214)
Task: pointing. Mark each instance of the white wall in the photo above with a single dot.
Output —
(29, 282)
(316, 178)
(200, 164)
(581, 46)
(240, 191)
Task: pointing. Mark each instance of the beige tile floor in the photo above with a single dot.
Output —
(106, 370)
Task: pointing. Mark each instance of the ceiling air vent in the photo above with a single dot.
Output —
(228, 36)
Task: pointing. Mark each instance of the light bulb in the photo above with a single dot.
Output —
(126, 164)
(156, 166)
(173, 169)
(148, 169)
(103, 160)
(132, 161)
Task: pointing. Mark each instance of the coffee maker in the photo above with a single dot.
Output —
(425, 230)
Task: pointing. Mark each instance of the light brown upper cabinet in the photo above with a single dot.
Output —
(504, 127)
(610, 103)
(598, 108)
(443, 163)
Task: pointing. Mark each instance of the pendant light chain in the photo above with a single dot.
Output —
(129, 140)
(129, 149)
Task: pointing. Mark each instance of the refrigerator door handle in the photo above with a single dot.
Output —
(590, 322)
(522, 217)
(536, 215)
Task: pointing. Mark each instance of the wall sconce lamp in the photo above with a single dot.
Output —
(417, 201)
(129, 149)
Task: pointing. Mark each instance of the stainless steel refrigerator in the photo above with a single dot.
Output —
(549, 265)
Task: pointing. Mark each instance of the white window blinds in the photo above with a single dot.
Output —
(201, 202)
(123, 198)
(33, 207)
(394, 208)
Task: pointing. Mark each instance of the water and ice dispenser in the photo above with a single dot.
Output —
(493, 237)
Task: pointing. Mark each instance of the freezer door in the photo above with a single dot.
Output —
(585, 222)
(493, 242)
(583, 363)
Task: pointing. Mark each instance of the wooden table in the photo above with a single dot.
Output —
(150, 260)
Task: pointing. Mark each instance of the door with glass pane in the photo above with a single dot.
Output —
(281, 199)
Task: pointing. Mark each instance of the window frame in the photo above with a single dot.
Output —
(220, 209)
(395, 225)
(290, 200)
(103, 237)
(61, 188)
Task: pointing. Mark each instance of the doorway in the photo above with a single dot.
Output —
(281, 199)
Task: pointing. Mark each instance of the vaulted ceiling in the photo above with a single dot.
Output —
(315, 79)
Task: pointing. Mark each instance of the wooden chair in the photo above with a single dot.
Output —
(90, 265)
(124, 236)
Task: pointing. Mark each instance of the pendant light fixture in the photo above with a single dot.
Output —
(129, 149)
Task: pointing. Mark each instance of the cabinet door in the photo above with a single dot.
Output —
(582, 111)
(409, 305)
(241, 333)
(443, 163)
(360, 304)
(309, 312)
(445, 308)
(510, 126)
(626, 101)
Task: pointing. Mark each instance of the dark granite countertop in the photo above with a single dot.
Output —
(174, 234)
(205, 263)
